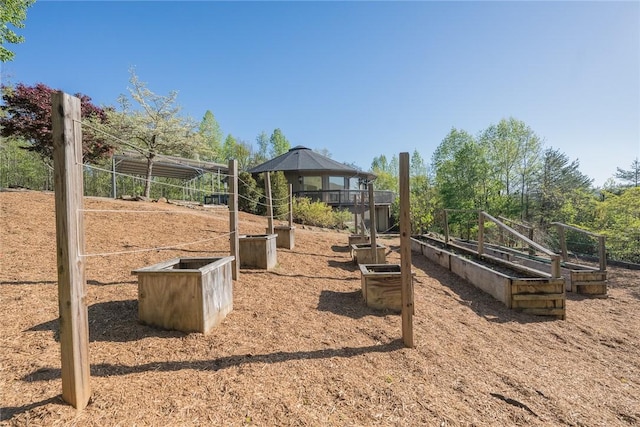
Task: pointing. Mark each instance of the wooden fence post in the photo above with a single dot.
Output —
(480, 233)
(563, 242)
(446, 228)
(72, 285)
(372, 224)
(290, 206)
(234, 238)
(602, 253)
(362, 225)
(355, 213)
(267, 190)
(405, 253)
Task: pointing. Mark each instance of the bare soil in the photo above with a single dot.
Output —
(300, 347)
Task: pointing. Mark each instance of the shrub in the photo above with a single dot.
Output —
(318, 213)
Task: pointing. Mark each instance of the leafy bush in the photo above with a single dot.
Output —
(341, 217)
(318, 213)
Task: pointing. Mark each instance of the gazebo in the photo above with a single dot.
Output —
(323, 179)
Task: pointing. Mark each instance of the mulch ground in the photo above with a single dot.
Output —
(300, 346)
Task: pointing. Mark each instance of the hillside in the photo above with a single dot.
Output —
(300, 347)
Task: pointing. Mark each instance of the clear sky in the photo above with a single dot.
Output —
(360, 78)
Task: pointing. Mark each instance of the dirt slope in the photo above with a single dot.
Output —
(300, 347)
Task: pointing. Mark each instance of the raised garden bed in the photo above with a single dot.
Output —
(382, 286)
(185, 294)
(518, 287)
(357, 239)
(581, 279)
(258, 251)
(285, 236)
(363, 254)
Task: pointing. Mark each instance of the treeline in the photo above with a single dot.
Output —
(506, 171)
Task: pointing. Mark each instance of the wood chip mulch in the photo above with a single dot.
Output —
(300, 347)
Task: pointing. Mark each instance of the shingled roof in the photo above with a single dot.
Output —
(301, 158)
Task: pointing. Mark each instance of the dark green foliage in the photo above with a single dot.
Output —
(249, 194)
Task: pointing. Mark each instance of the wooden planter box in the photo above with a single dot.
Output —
(356, 239)
(581, 279)
(382, 286)
(362, 254)
(532, 292)
(185, 294)
(285, 236)
(258, 251)
(589, 282)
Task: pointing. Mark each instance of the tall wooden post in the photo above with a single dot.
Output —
(362, 225)
(446, 228)
(532, 250)
(372, 224)
(72, 285)
(602, 253)
(234, 238)
(114, 189)
(267, 190)
(480, 233)
(563, 242)
(405, 254)
(355, 213)
(290, 206)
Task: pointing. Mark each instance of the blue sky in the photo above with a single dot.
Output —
(360, 78)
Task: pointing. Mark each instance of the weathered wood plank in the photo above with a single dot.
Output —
(234, 244)
(531, 297)
(72, 285)
(407, 297)
(560, 312)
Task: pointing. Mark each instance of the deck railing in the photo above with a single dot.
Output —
(345, 197)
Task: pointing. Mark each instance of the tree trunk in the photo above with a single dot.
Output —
(147, 184)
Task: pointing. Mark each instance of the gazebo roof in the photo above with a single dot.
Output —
(303, 159)
(131, 163)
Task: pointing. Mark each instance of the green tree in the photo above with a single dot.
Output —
(386, 173)
(513, 151)
(631, 177)
(240, 150)
(249, 194)
(211, 136)
(619, 219)
(557, 181)
(155, 127)
(12, 13)
(461, 176)
(279, 194)
(417, 165)
(263, 148)
(279, 143)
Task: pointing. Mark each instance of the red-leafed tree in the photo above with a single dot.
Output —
(26, 113)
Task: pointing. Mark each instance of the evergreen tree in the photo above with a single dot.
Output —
(631, 177)
(211, 136)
